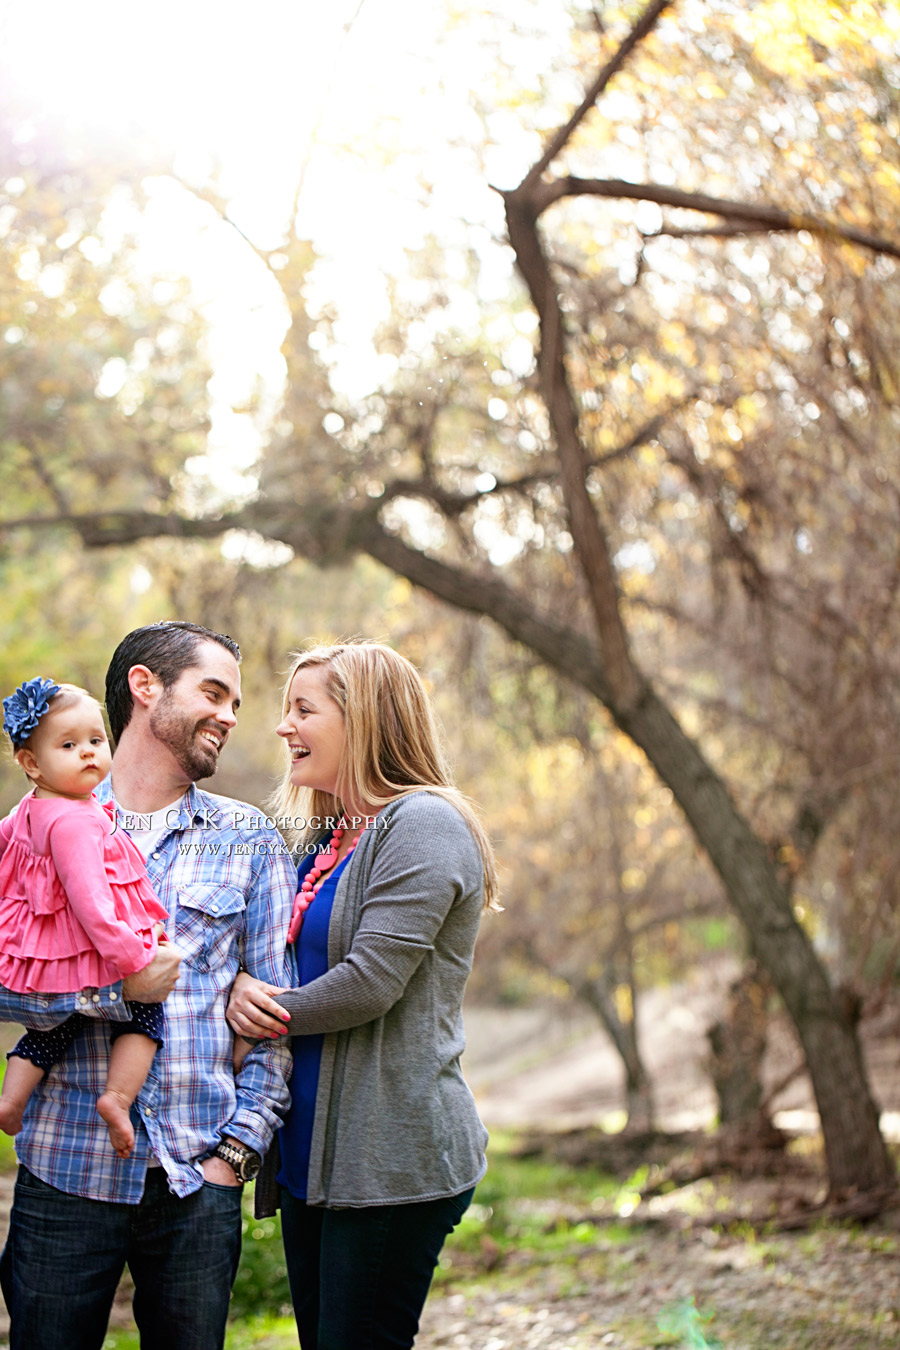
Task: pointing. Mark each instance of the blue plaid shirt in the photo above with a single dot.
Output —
(228, 884)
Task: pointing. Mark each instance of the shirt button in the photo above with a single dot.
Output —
(82, 999)
(157, 855)
(95, 998)
(113, 998)
(148, 1111)
(214, 908)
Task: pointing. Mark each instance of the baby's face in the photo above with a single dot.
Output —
(70, 750)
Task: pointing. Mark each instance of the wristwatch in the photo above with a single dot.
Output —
(246, 1162)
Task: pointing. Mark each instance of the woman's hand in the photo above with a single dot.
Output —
(252, 1011)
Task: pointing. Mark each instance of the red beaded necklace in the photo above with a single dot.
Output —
(314, 881)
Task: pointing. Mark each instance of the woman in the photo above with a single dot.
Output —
(383, 1146)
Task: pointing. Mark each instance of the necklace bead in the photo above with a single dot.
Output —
(313, 882)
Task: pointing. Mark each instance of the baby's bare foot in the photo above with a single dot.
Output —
(115, 1111)
(10, 1117)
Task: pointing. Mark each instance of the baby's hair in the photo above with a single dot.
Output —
(65, 696)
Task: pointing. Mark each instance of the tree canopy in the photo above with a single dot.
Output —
(674, 492)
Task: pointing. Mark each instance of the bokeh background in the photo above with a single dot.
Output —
(267, 362)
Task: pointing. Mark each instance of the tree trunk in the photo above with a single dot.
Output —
(639, 1100)
(855, 1150)
(639, 1104)
(737, 1044)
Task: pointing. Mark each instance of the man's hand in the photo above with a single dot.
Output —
(219, 1172)
(156, 981)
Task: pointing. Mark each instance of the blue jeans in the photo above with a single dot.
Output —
(359, 1277)
(64, 1256)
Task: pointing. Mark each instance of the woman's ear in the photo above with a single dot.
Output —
(27, 762)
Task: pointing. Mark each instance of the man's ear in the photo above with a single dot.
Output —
(26, 760)
(143, 685)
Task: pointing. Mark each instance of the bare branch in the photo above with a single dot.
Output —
(648, 432)
(320, 116)
(591, 542)
(455, 503)
(212, 198)
(46, 477)
(680, 914)
(724, 231)
(644, 25)
(797, 1071)
(99, 529)
(564, 649)
(749, 214)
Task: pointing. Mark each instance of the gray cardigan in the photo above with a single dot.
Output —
(394, 1119)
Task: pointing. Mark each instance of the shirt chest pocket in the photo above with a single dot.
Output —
(207, 923)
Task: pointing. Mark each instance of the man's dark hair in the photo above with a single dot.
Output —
(168, 649)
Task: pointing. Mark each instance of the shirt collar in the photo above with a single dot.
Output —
(192, 804)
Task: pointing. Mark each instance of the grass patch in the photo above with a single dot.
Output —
(262, 1333)
(261, 1287)
(523, 1206)
(528, 1265)
(528, 1205)
(251, 1333)
(8, 1162)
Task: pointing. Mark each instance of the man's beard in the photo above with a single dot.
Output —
(175, 730)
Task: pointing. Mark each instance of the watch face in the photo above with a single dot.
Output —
(245, 1162)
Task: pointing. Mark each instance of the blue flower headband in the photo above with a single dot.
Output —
(24, 709)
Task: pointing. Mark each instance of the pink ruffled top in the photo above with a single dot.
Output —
(76, 907)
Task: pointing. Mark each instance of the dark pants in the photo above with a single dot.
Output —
(64, 1256)
(359, 1277)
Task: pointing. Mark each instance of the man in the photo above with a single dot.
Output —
(172, 1209)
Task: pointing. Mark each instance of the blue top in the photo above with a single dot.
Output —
(295, 1138)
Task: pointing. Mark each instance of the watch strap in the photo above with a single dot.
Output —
(244, 1160)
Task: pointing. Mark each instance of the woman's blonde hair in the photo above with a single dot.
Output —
(392, 746)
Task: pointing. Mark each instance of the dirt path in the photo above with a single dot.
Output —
(555, 1067)
(813, 1291)
(838, 1291)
